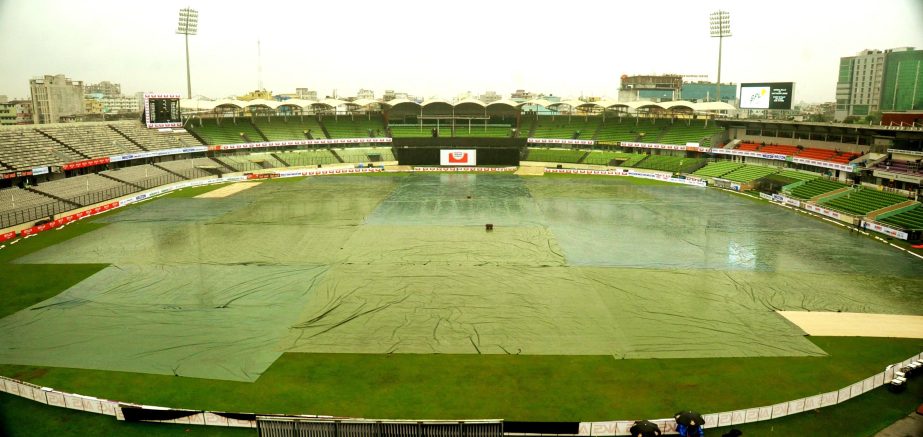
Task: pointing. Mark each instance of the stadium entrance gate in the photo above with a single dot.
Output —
(310, 427)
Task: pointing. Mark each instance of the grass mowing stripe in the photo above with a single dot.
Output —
(554, 388)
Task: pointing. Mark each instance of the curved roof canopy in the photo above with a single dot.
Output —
(210, 105)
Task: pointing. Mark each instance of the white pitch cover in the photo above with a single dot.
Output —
(458, 157)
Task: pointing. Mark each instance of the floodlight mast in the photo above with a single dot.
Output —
(720, 28)
(188, 25)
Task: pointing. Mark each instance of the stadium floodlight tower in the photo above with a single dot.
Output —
(721, 29)
(188, 25)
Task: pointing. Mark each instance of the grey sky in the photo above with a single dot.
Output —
(441, 48)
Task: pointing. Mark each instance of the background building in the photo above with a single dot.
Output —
(874, 80)
(23, 110)
(56, 98)
(7, 114)
(106, 88)
(902, 87)
(653, 88)
(705, 92)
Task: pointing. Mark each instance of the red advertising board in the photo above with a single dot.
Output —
(7, 236)
(67, 219)
(85, 163)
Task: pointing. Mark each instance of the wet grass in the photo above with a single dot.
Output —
(552, 388)
(513, 387)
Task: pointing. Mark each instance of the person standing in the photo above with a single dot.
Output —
(690, 430)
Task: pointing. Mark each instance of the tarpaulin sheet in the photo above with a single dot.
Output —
(218, 288)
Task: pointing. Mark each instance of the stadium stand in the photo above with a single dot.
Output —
(366, 155)
(418, 130)
(13, 199)
(225, 130)
(254, 161)
(145, 176)
(188, 168)
(23, 149)
(606, 158)
(354, 127)
(92, 140)
(150, 139)
(752, 147)
(688, 131)
(555, 155)
(749, 173)
(819, 154)
(779, 149)
(844, 157)
(863, 201)
(483, 130)
(85, 190)
(303, 158)
(676, 164)
(815, 187)
(717, 169)
(289, 128)
(897, 166)
(614, 130)
(797, 175)
(564, 127)
(911, 219)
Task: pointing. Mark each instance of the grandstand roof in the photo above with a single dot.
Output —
(203, 105)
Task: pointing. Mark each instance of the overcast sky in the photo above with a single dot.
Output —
(567, 48)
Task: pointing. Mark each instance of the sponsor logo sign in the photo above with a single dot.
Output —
(85, 163)
(265, 144)
(153, 153)
(882, 229)
(825, 164)
(652, 145)
(559, 141)
(471, 169)
(458, 157)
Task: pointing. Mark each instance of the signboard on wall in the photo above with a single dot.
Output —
(458, 157)
(769, 95)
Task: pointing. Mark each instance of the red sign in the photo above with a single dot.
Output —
(262, 175)
(86, 163)
(458, 158)
(8, 235)
(67, 219)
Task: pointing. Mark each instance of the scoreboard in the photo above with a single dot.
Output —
(767, 95)
(162, 110)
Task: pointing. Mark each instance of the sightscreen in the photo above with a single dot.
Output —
(768, 95)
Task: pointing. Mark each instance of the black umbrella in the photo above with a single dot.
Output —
(689, 418)
(644, 428)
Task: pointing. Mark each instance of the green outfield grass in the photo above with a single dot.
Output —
(434, 386)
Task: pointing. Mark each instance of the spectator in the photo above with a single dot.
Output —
(690, 430)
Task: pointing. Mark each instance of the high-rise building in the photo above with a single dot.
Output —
(876, 80)
(56, 98)
(902, 87)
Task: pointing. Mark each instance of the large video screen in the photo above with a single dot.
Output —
(770, 95)
(162, 110)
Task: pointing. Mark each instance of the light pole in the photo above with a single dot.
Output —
(720, 28)
(188, 25)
